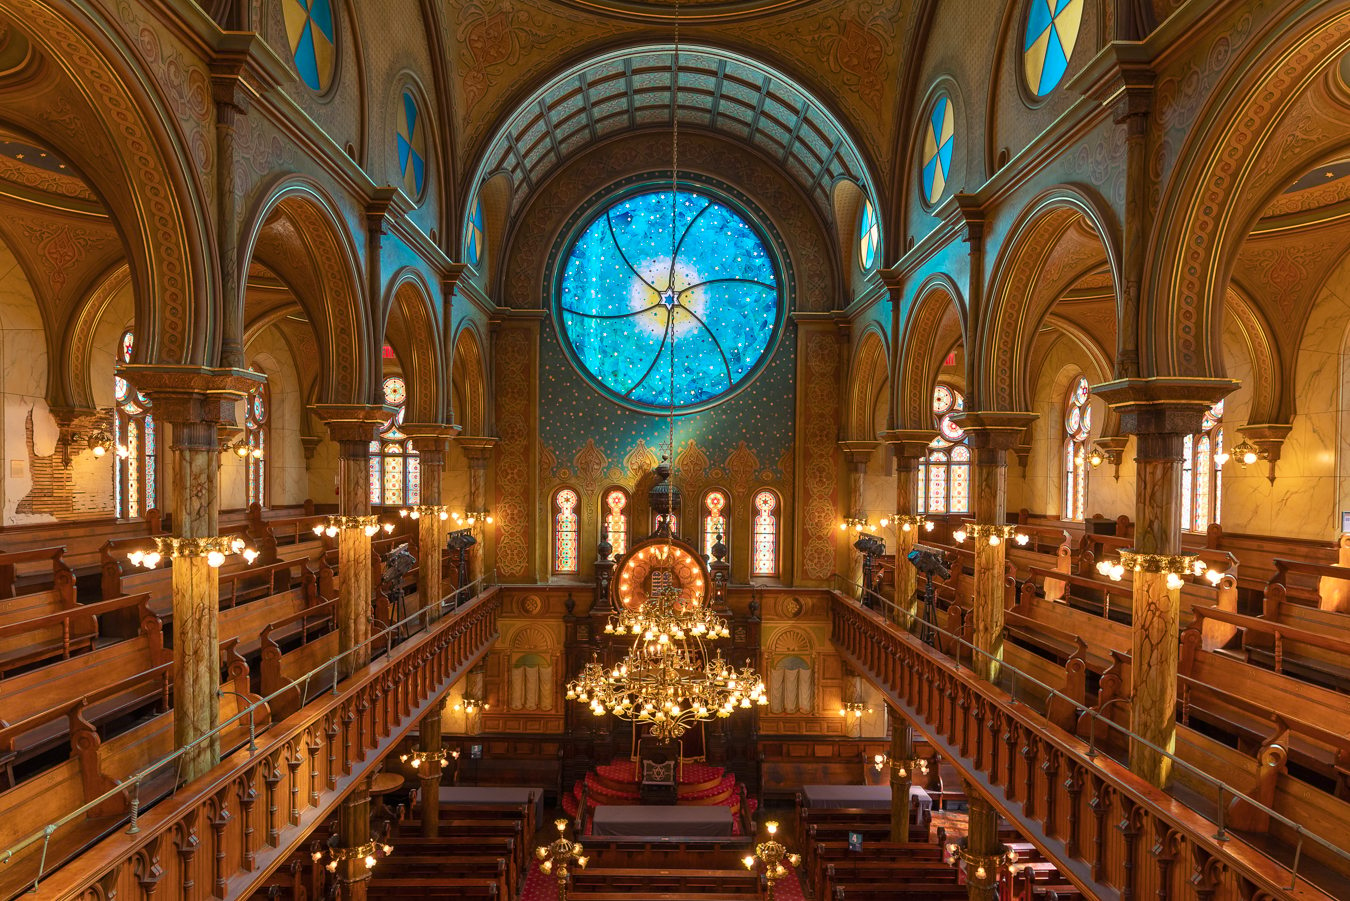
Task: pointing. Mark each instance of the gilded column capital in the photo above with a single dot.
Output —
(192, 394)
(908, 443)
(430, 439)
(353, 426)
(478, 448)
(1163, 406)
(858, 452)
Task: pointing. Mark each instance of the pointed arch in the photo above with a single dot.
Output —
(470, 380)
(868, 384)
(937, 314)
(410, 327)
(297, 232)
(1062, 234)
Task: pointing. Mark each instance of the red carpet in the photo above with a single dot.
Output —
(616, 783)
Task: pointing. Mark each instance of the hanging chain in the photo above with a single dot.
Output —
(670, 284)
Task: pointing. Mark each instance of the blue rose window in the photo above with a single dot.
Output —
(632, 313)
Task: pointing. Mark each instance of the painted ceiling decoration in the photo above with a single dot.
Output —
(411, 141)
(693, 11)
(939, 143)
(1052, 32)
(313, 37)
(630, 89)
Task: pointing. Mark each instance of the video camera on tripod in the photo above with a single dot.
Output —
(929, 563)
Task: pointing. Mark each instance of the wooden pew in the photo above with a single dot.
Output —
(689, 879)
(115, 680)
(478, 867)
(430, 888)
(42, 625)
(82, 540)
(858, 873)
(95, 767)
(1258, 553)
(1309, 644)
(280, 667)
(825, 853)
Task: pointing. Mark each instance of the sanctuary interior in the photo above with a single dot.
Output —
(675, 449)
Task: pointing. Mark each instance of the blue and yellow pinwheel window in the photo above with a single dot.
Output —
(939, 143)
(1052, 32)
(473, 236)
(313, 39)
(869, 231)
(632, 314)
(412, 147)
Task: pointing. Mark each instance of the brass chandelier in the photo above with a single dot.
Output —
(668, 680)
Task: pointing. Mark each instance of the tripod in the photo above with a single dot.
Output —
(927, 632)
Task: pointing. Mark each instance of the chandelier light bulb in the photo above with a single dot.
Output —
(99, 450)
(929, 525)
(960, 536)
(215, 559)
(151, 559)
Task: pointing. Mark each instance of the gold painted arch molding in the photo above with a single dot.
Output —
(695, 11)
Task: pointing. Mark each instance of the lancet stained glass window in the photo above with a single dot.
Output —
(1077, 430)
(257, 406)
(715, 522)
(134, 471)
(1201, 473)
(944, 473)
(616, 520)
(395, 469)
(624, 299)
(566, 554)
(764, 534)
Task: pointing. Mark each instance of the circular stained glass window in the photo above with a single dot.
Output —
(1052, 32)
(411, 143)
(638, 301)
(313, 39)
(939, 143)
(870, 231)
(395, 391)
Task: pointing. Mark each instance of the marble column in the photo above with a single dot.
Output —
(430, 442)
(902, 777)
(982, 840)
(194, 402)
(1159, 413)
(353, 428)
(353, 876)
(909, 446)
(992, 435)
(856, 454)
(478, 451)
(429, 773)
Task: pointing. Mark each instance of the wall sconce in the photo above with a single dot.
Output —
(242, 450)
(1108, 450)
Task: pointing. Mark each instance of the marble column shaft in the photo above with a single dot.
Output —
(982, 838)
(902, 752)
(355, 591)
(431, 529)
(429, 774)
(196, 597)
(478, 450)
(1157, 608)
(906, 576)
(353, 876)
(989, 476)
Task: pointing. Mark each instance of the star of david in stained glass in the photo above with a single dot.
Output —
(632, 313)
(938, 145)
(1052, 32)
(870, 231)
(473, 240)
(309, 27)
(412, 148)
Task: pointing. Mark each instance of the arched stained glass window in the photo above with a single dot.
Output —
(716, 523)
(411, 144)
(1077, 430)
(944, 473)
(764, 534)
(313, 39)
(939, 144)
(616, 520)
(869, 237)
(566, 552)
(629, 290)
(1052, 32)
(1202, 474)
(134, 471)
(395, 469)
(257, 408)
(473, 238)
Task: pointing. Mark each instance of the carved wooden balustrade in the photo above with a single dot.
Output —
(1111, 832)
(219, 836)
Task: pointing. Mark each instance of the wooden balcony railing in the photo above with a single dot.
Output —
(219, 835)
(1114, 834)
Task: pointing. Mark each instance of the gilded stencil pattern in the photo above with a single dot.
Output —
(513, 481)
(818, 435)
